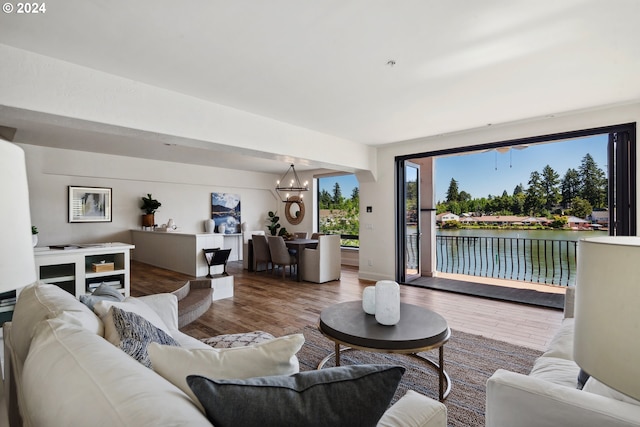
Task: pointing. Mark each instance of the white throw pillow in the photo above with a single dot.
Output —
(274, 357)
(132, 305)
(596, 387)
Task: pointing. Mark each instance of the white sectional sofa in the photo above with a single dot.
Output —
(60, 370)
(549, 396)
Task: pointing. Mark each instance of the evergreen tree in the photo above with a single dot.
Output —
(534, 201)
(549, 183)
(593, 182)
(337, 195)
(453, 194)
(325, 199)
(518, 190)
(569, 187)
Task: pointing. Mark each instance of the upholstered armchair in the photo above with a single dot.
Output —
(322, 264)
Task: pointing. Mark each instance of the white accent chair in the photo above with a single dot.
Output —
(322, 264)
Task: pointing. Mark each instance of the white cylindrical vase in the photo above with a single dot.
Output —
(387, 302)
(209, 225)
(369, 300)
(222, 228)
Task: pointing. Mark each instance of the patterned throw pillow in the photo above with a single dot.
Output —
(102, 293)
(136, 333)
(238, 340)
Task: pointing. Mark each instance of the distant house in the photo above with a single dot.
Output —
(600, 218)
(447, 216)
(575, 222)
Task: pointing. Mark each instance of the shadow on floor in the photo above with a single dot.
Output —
(502, 293)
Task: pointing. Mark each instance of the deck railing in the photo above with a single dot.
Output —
(530, 260)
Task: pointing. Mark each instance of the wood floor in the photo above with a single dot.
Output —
(263, 301)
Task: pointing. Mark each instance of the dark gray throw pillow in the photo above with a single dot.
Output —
(344, 396)
(101, 293)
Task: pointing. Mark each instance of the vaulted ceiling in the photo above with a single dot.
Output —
(369, 71)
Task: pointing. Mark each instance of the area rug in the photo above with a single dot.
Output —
(469, 360)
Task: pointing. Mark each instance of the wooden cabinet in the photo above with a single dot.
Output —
(79, 269)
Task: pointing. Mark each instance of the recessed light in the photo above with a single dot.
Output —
(391, 63)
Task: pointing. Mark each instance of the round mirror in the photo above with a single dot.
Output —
(294, 210)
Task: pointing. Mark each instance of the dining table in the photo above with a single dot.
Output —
(299, 245)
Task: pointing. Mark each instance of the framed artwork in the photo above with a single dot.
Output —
(225, 211)
(89, 204)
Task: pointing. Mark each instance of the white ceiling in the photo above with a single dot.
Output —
(323, 64)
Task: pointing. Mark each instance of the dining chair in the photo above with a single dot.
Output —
(280, 255)
(261, 253)
(301, 234)
(315, 236)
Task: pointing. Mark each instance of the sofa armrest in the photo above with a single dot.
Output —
(518, 400)
(415, 410)
(166, 305)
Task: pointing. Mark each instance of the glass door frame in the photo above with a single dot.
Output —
(621, 176)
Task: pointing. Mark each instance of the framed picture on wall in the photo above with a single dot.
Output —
(225, 211)
(89, 204)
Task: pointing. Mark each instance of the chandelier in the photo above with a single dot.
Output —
(289, 185)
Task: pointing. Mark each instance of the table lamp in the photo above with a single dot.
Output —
(607, 315)
(17, 265)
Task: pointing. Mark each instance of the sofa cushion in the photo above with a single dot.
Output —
(133, 305)
(415, 410)
(343, 396)
(561, 345)
(273, 357)
(556, 370)
(73, 377)
(596, 387)
(41, 301)
(102, 292)
(133, 334)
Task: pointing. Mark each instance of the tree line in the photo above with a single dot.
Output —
(577, 193)
(343, 215)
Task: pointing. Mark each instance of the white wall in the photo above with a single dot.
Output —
(184, 191)
(377, 230)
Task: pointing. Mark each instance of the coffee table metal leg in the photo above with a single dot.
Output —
(443, 377)
(441, 373)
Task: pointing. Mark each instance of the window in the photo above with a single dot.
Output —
(339, 208)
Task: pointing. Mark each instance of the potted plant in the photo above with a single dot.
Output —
(275, 225)
(34, 235)
(149, 206)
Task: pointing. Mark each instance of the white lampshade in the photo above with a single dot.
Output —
(17, 265)
(607, 311)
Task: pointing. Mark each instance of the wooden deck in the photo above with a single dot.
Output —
(263, 301)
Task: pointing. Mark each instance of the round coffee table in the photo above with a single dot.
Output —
(419, 330)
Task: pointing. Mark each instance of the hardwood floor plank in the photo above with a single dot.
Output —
(263, 301)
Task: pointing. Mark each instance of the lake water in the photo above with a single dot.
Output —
(538, 256)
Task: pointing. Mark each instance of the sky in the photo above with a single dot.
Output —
(347, 183)
(490, 173)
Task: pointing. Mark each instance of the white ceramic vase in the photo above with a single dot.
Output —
(209, 225)
(387, 302)
(222, 228)
(369, 300)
